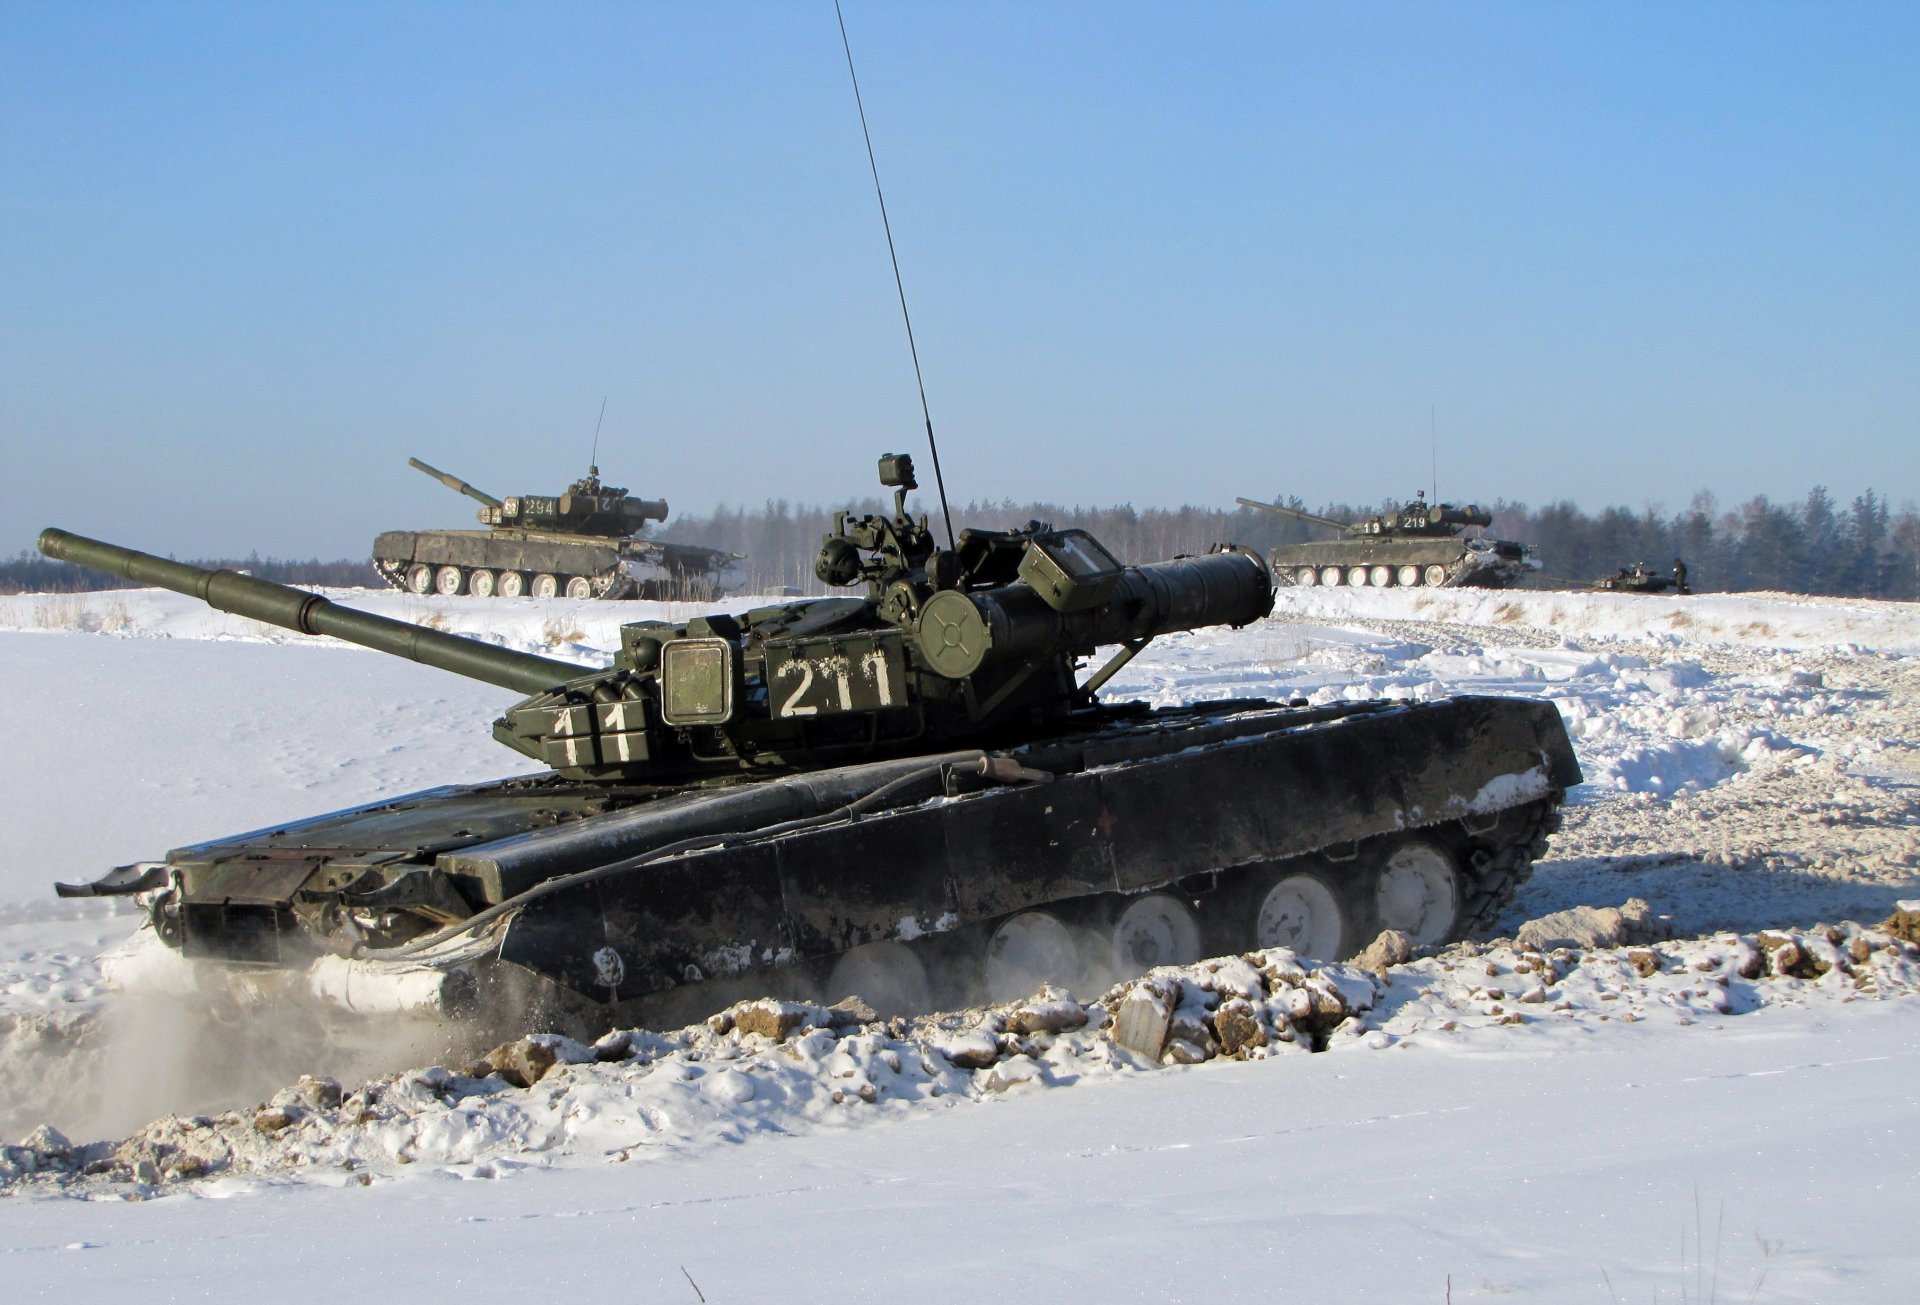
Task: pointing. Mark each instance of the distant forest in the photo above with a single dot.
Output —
(30, 573)
(1815, 546)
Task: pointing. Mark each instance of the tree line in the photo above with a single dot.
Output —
(1864, 548)
(30, 573)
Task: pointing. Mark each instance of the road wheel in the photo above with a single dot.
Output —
(1357, 576)
(1418, 891)
(579, 588)
(1408, 575)
(419, 578)
(1027, 950)
(1306, 577)
(511, 584)
(545, 586)
(1436, 574)
(449, 580)
(480, 584)
(1153, 929)
(1300, 912)
(1380, 577)
(1332, 575)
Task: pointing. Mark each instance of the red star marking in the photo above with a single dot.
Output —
(1105, 823)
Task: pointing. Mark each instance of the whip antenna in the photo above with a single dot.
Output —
(899, 285)
(593, 463)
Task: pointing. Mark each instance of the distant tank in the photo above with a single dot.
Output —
(1415, 544)
(584, 543)
(1639, 578)
(918, 791)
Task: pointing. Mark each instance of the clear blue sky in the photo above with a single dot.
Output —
(252, 256)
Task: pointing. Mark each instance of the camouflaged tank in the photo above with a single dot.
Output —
(918, 795)
(584, 543)
(1415, 544)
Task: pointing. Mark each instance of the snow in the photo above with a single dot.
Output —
(1620, 1123)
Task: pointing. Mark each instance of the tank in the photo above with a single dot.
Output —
(1639, 578)
(585, 543)
(915, 793)
(1417, 543)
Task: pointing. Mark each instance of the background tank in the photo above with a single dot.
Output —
(914, 794)
(584, 543)
(1415, 544)
(1639, 578)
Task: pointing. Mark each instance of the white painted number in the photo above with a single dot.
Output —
(838, 666)
(838, 670)
(875, 663)
(791, 707)
(563, 727)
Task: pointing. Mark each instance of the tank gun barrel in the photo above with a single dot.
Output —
(455, 483)
(307, 613)
(960, 632)
(1292, 512)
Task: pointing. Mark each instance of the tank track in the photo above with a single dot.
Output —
(1491, 867)
(1286, 575)
(1456, 574)
(1492, 880)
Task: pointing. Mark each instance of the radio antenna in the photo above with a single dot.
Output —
(938, 480)
(1433, 446)
(593, 463)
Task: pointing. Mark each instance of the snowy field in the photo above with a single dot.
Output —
(1726, 1113)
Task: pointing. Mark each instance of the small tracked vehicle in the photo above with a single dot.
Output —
(1639, 578)
(916, 794)
(1415, 544)
(585, 543)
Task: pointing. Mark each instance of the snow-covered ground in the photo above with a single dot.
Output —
(1601, 1122)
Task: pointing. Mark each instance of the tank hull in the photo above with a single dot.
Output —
(1445, 563)
(514, 563)
(618, 895)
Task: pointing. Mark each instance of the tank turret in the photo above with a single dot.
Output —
(586, 508)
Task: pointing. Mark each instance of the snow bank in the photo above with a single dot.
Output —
(1772, 619)
(773, 1067)
(555, 627)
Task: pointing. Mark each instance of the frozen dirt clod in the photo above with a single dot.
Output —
(1590, 926)
(525, 1061)
(1904, 925)
(1143, 1017)
(1391, 948)
(1792, 957)
(1048, 1011)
